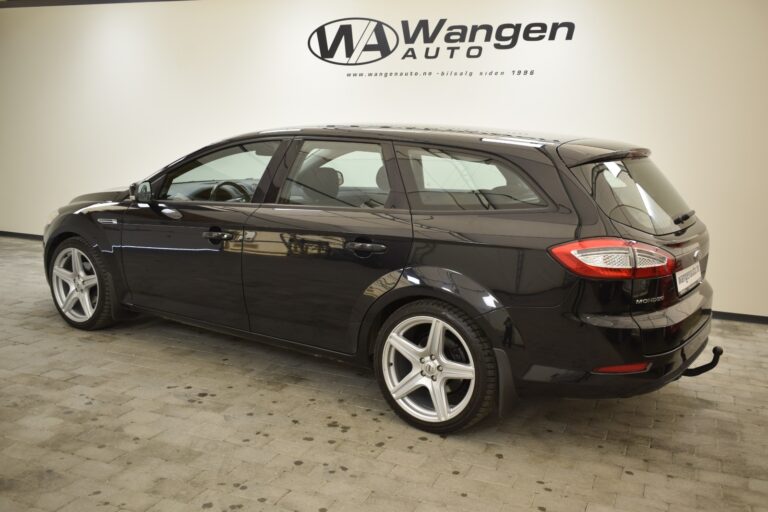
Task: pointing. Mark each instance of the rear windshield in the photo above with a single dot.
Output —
(636, 193)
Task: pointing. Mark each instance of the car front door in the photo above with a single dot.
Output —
(334, 231)
(182, 251)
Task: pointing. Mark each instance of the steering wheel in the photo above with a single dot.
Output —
(239, 187)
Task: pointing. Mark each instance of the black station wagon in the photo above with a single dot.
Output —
(467, 267)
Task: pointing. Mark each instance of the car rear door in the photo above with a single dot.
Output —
(182, 251)
(335, 231)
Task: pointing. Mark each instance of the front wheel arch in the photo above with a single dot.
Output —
(50, 249)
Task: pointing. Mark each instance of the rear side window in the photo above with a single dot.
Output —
(345, 174)
(636, 193)
(438, 179)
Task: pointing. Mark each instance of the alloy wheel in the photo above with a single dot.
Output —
(75, 284)
(428, 368)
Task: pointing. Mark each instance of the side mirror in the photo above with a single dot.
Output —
(143, 192)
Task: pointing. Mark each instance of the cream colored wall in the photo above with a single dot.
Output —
(99, 96)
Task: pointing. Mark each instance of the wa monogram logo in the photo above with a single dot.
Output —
(356, 41)
(353, 41)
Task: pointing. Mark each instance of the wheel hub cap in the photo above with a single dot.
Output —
(430, 368)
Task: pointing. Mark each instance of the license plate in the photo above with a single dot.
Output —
(688, 278)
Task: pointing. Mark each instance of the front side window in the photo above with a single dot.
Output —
(447, 180)
(230, 174)
(345, 174)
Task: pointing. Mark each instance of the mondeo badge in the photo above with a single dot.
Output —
(353, 41)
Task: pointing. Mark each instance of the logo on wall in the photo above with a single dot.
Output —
(357, 41)
(353, 41)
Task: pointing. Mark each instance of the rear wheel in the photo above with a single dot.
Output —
(435, 367)
(81, 288)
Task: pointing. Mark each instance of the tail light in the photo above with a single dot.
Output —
(614, 258)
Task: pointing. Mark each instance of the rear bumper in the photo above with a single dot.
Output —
(555, 350)
(664, 369)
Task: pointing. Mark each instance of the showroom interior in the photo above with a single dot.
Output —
(120, 406)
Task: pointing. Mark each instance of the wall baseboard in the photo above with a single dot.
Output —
(25, 236)
(740, 317)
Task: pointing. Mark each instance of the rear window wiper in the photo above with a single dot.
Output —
(683, 217)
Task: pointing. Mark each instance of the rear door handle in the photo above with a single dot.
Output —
(218, 235)
(365, 247)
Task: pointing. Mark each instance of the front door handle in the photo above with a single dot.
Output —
(218, 235)
(365, 247)
(171, 213)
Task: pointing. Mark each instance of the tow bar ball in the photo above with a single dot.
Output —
(717, 351)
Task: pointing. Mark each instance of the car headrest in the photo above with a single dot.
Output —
(321, 183)
(382, 180)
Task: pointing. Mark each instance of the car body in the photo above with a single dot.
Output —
(312, 258)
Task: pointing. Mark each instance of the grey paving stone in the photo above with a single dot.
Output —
(152, 415)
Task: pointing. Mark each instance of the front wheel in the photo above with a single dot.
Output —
(80, 286)
(435, 367)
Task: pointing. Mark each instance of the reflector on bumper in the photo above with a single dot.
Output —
(624, 368)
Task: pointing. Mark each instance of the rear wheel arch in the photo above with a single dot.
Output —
(473, 299)
(418, 283)
(374, 320)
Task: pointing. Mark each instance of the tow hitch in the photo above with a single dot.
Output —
(717, 351)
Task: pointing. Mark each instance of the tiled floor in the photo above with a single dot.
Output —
(153, 415)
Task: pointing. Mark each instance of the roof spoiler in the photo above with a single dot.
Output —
(614, 155)
(586, 151)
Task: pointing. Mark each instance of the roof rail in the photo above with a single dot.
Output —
(511, 140)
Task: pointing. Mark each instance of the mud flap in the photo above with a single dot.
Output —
(507, 394)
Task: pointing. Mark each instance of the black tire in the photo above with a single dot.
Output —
(483, 396)
(106, 309)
